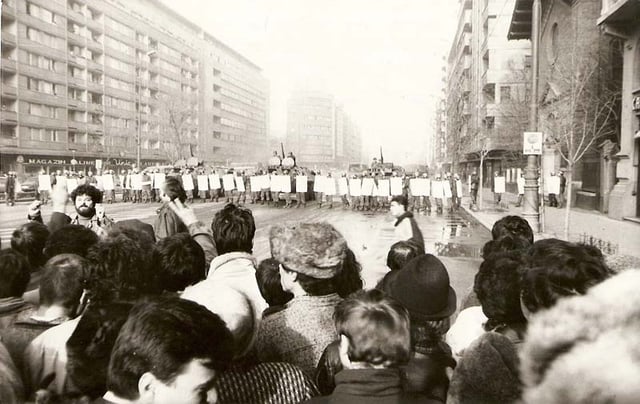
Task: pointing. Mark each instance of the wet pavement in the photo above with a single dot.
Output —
(453, 237)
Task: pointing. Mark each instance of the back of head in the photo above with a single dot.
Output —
(130, 225)
(586, 348)
(268, 279)
(70, 239)
(497, 285)
(89, 190)
(401, 200)
(163, 337)
(233, 229)
(14, 273)
(559, 268)
(29, 239)
(89, 347)
(173, 188)
(505, 244)
(120, 270)
(400, 253)
(63, 280)
(514, 226)
(377, 329)
(348, 280)
(179, 261)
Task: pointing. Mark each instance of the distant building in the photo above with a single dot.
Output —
(89, 79)
(320, 132)
(486, 91)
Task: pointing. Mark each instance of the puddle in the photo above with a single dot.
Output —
(457, 250)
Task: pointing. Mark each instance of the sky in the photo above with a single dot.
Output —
(381, 59)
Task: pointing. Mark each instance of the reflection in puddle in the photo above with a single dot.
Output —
(457, 250)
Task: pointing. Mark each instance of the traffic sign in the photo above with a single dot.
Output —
(532, 143)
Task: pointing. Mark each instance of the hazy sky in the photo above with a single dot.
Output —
(382, 59)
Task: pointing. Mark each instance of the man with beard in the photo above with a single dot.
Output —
(86, 199)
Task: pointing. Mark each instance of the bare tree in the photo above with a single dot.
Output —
(583, 112)
(176, 115)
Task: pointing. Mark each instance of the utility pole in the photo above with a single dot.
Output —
(531, 210)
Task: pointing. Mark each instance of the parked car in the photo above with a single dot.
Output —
(26, 188)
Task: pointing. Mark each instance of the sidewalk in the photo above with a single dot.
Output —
(623, 236)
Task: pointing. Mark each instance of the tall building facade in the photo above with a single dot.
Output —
(619, 18)
(320, 132)
(486, 101)
(118, 81)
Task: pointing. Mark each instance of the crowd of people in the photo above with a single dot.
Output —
(93, 310)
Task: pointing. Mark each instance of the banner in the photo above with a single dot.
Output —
(136, 182)
(424, 187)
(355, 187)
(553, 184)
(285, 183)
(396, 186)
(301, 183)
(240, 184)
(228, 184)
(158, 180)
(520, 182)
(343, 186)
(203, 183)
(265, 182)
(414, 186)
(436, 189)
(367, 186)
(274, 183)
(329, 186)
(318, 183)
(107, 182)
(187, 182)
(214, 181)
(255, 182)
(498, 185)
(459, 188)
(383, 188)
(446, 187)
(44, 183)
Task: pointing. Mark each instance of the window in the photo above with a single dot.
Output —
(75, 137)
(42, 86)
(505, 93)
(489, 122)
(41, 13)
(42, 62)
(42, 110)
(553, 45)
(44, 135)
(44, 39)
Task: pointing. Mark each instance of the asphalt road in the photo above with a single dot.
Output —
(452, 237)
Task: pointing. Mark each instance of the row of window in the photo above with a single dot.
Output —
(238, 97)
(41, 13)
(48, 40)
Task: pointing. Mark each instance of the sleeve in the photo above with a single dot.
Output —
(202, 235)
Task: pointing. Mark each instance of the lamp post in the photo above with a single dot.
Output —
(531, 208)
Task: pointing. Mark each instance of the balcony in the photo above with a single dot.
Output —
(76, 81)
(8, 38)
(8, 65)
(95, 108)
(8, 90)
(8, 117)
(76, 16)
(95, 128)
(75, 38)
(619, 11)
(72, 103)
(77, 60)
(8, 9)
(92, 65)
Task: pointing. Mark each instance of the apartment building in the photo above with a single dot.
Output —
(116, 81)
(320, 132)
(487, 91)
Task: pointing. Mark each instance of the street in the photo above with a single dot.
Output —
(450, 236)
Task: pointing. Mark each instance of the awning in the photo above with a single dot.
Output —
(520, 27)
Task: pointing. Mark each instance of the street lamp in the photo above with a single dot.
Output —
(531, 210)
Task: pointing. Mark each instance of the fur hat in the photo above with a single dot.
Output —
(422, 286)
(586, 348)
(313, 249)
(487, 372)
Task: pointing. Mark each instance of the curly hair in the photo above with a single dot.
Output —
(29, 239)
(233, 229)
(173, 188)
(497, 285)
(559, 268)
(512, 225)
(89, 190)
